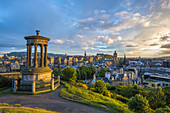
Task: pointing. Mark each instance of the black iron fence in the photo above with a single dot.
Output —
(41, 86)
(24, 88)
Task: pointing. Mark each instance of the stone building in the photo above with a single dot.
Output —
(115, 59)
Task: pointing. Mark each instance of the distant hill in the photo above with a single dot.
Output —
(24, 54)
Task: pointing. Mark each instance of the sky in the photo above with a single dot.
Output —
(131, 27)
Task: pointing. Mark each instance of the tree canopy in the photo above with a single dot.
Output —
(100, 86)
(69, 74)
(139, 104)
(101, 72)
(57, 72)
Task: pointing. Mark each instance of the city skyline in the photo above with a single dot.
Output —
(135, 28)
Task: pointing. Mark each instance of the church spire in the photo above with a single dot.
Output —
(85, 54)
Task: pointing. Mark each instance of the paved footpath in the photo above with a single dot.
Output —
(50, 101)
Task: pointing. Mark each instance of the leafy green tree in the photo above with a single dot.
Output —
(101, 72)
(92, 71)
(162, 110)
(108, 86)
(120, 62)
(84, 71)
(126, 91)
(139, 104)
(156, 98)
(57, 72)
(5, 81)
(69, 73)
(78, 74)
(166, 91)
(135, 89)
(100, 86)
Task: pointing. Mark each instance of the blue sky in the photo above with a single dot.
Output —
(132, 27)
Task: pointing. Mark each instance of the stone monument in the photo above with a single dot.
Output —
(36, 76)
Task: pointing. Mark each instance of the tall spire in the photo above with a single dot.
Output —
(124, 60)
(85, 54)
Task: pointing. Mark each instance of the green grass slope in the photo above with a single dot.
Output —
(93, 99)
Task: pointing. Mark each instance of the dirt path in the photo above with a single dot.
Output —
(50, 101)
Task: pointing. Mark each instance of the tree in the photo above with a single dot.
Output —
(166, 91)
(57, 72)
(92, 71)
(84, 71)
(102, 72)
(5, 81)
(69, 73)
(139, 104)
(100, 86)
(162, 110)
(120, 62)
(78, 74)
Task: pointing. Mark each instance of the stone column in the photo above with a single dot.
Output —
(45, 63)
(30, 55)
(42, 55)
(33, 87)
(35, 56)
(52, 82)
(15, 86)
(27, 55)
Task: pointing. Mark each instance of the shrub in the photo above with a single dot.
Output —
(162, 110)
(82, 85)
(92, 89)
(81, 81)
(113, 88)
(107, 93)
(119, 97)
(91, 85)
(4, 104)
(108, 86)
(113, 95)
(122, 99)
(166, 91)
(5, 82)
(139, 104)
(17, 105)
(72, 82)
(100, 86)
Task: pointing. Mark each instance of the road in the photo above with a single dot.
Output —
(50, 101)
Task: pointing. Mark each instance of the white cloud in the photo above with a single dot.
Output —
(58, 41)
(112, 35)
(165, 4)
(87, 19)
(119, 38)
(80, 36)
(105, 39)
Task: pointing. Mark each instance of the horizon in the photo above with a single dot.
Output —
(132, 27)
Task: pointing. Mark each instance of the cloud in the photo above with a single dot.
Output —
(153, 44)
(80, 36)
(165, 37)
(165, 4)
(112, 35)
(58, 41)
(164, 52)
(166, 46)
(87, 20)
(131, 46)
(119, 38)
(105, 39)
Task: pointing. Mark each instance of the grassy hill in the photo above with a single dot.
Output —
(16, 108)
(91, 98)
